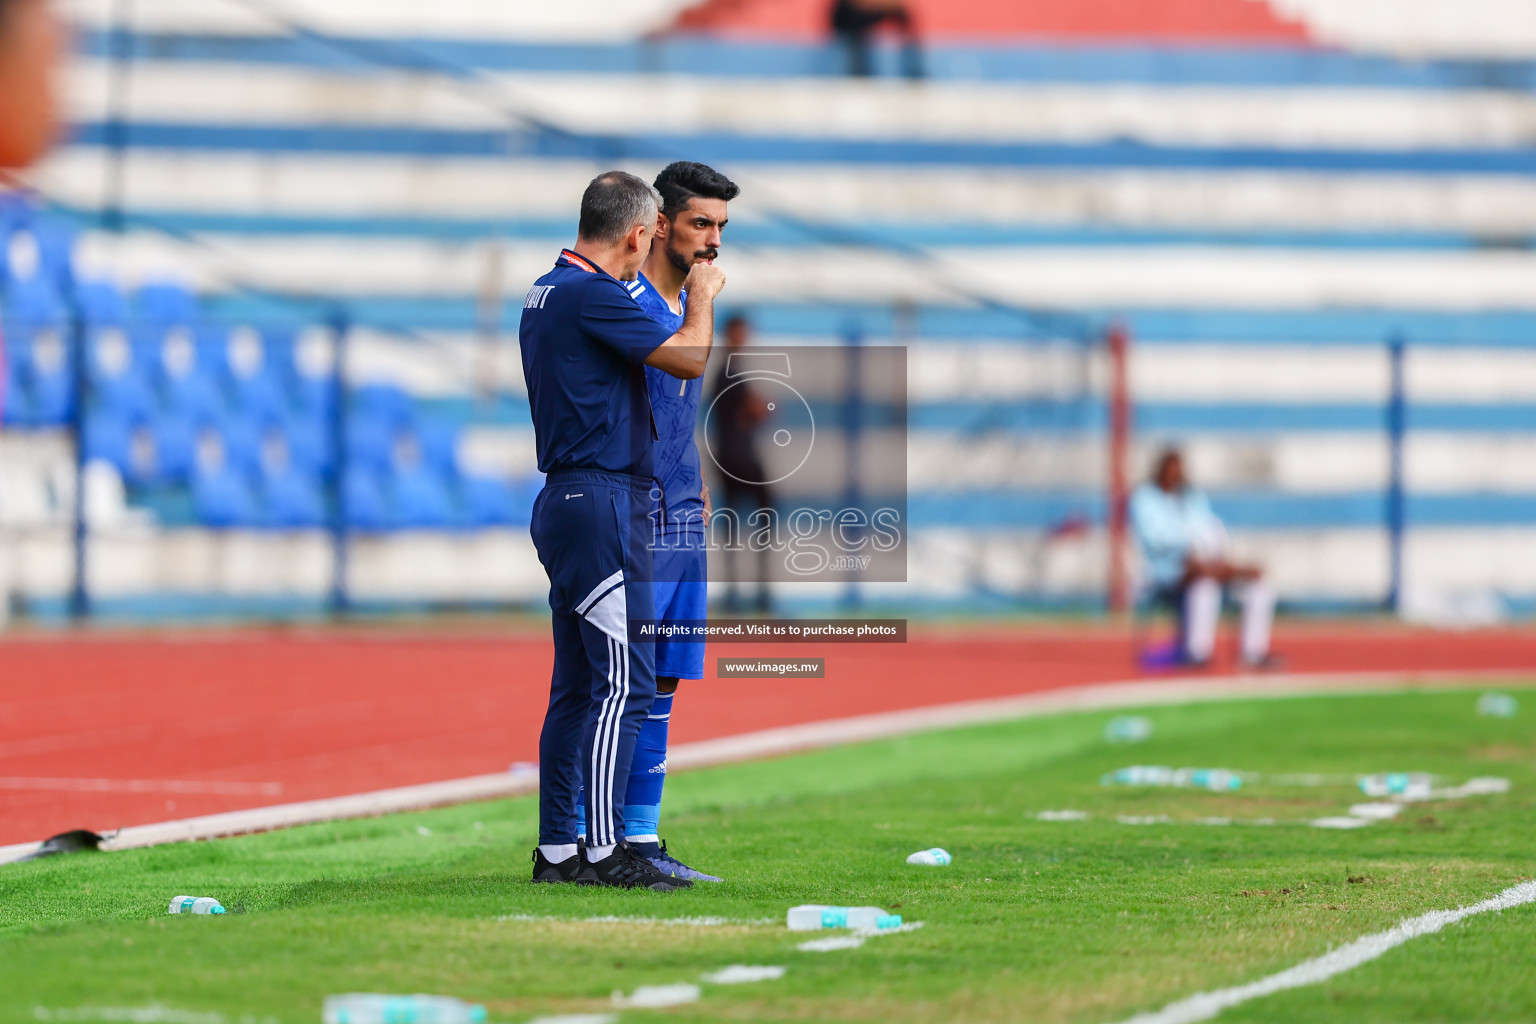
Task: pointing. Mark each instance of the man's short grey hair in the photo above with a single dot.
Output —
(613, 204)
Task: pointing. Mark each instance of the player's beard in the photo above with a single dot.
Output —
(684, 262)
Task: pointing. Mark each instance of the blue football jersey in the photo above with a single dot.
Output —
(675, 404)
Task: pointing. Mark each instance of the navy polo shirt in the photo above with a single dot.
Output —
(584, 344)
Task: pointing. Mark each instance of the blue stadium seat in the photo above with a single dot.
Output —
(175, 448)
(294, 500)
(487, 501)
(422, 500)
(309, 444)
(16, 402)
(242, 444)
(56, 249)
(438, 441)
(118, 383)
(384, 402)
(165, 303)
(370, 443)
(101, 304)
(316, 396)
(363, 501)
(34, 301)
(222, 498)
(261, 396)
(51, 377)
(109, 438)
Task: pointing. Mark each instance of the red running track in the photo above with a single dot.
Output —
(102, 731)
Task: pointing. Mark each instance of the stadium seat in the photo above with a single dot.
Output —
(487, 501)
(384, 402)
(165, 303)
(34, 301)
(15, 402)
(118, 384)
(260, 397)
(108, 438)
(101, 304)
(438, 444)
(363, 501)
(422, 500)
(222, 499)
(50, 377)
(294, 500)
(309, 444)
(175, 448)
(370, 443)
(243, 441)
(56, 249)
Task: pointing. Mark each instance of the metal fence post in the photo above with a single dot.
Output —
(79, 595)
(340, 601)
(1119, 458)
(1396, 512)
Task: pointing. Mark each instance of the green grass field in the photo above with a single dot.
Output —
(1087, 920)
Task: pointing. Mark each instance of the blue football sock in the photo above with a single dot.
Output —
(647, 774)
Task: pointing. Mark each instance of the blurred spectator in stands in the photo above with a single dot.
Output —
(736, 415)
(1184, 548)
(31, 42)
(855, 22)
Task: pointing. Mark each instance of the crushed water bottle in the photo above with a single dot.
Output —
(934, 858)
(810, 917)
(372, 1008)
(1498, 705)
(1409, 785)
(1128, 729)
(1217, 780)
(195, 905)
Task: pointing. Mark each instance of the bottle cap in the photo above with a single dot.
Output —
(888, 921)
(217, 909)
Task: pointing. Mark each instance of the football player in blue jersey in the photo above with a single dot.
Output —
(692, 218)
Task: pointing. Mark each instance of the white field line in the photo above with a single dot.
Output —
(1312, 972)
(17, 782)
(671, 922)
(809, 736)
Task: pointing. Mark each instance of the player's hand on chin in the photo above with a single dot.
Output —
(704, 279)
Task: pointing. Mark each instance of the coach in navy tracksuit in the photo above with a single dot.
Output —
(585, 344)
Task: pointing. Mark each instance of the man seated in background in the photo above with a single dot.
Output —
(854, 23)
(1184, 547)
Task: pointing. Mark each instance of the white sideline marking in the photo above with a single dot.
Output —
(651, 996)
(670, 922)
(855, 940)
(577, 1018)
(743, 974)
(1319, 969)
(1342, 821)
(154, 1013)
(141, 786)
(808, 736)
(1062, 816)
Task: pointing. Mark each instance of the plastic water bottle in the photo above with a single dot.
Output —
(1128, 729)
(195, 905)
(371, 1008)
(811, 917)
(1498, 705)
(1140, 775)
(934, 858)
(1217, 780)
(1412, 785)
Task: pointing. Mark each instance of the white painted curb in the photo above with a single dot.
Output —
(809, 736)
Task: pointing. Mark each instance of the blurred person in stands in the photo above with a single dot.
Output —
(31, 45)
(737, 414)
(855, 22)
(1184, 547)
